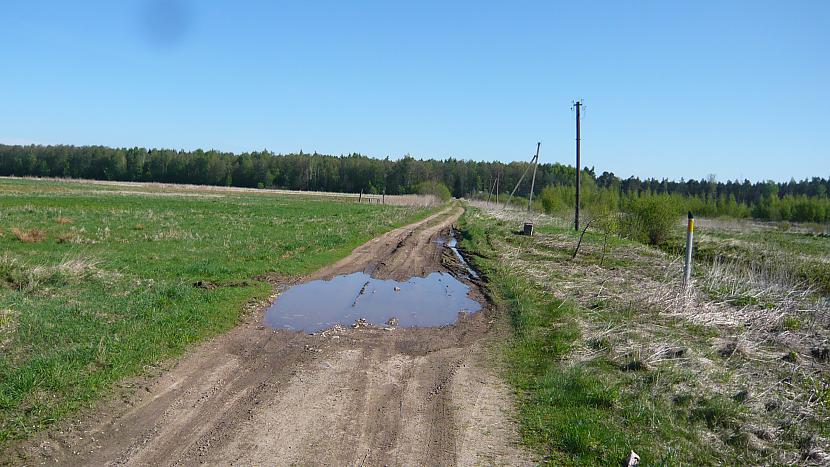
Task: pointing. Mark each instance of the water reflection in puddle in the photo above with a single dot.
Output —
(434, 300)
(452, 244)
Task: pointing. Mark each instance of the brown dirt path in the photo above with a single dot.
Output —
(365, 396)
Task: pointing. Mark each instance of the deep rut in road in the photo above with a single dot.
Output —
(364, 396)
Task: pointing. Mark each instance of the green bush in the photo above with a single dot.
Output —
(552, 200)
(434, 188)
(649, 219)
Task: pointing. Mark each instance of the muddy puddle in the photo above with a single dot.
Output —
(434, 300)
(451, 243)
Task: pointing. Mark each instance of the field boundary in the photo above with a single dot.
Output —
(396, 200)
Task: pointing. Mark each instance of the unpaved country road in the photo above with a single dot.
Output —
(365, 396)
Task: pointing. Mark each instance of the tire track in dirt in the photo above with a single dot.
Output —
(365, 396)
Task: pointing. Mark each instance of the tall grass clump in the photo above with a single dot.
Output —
(29, 236)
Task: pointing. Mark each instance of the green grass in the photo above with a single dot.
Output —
(590, 412)
(110, 289)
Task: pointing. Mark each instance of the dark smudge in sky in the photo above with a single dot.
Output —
(165, 23)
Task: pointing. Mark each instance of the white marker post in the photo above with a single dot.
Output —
(690, 233)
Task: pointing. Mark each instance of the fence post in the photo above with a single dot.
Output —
(690, 233)
(360, 197)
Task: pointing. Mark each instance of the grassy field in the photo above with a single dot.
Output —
(97, 282)
(611, 354)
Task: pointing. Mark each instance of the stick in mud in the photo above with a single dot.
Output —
(576, 250)
(362, 291)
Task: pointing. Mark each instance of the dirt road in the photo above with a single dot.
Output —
(365, 396)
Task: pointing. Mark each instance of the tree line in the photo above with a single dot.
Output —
(355, 172)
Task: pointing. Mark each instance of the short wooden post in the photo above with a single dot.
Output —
(360, 197)
(690, 233)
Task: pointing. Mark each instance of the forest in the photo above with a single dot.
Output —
(802, 201)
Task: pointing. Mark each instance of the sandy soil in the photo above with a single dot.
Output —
(365, 396)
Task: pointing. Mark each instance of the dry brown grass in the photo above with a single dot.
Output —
(63, 220)
(29, 236)
(69, 237)
(737, 329)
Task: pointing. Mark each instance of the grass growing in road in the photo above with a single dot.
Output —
(610, 354)
(97, 283)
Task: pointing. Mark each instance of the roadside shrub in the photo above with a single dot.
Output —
(552, 200)
(649, 219)
(434, 188)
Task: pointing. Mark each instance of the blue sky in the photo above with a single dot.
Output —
(672, 89)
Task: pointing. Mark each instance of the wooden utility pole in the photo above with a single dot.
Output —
(577, 104)
(533, 180)
(532, 161)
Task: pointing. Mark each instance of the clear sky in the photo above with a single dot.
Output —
(672, 89)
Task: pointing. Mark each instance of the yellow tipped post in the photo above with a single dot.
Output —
(690, 233)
